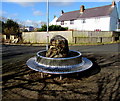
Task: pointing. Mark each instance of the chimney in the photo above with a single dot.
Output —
(113, 3)
(62, 12)
(54, 16)
(82, 8)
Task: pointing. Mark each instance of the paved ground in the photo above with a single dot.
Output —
(100, 83)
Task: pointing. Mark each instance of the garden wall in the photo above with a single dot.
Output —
(71, 36)
(41, 37)
(94, 36)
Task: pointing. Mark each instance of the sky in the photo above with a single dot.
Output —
(34, 13)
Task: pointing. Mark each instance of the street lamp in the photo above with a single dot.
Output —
(47, 24)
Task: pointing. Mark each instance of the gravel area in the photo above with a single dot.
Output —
(99, 83)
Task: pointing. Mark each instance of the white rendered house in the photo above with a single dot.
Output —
(104, 18)
(54, 21)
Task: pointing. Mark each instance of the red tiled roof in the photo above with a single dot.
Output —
(88, 13)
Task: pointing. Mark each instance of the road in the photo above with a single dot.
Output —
(13, 50)
(108, 48)
(101, 82)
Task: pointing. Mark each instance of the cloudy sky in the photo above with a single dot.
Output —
(34, 11)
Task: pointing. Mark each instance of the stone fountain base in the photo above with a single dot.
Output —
(72, 64)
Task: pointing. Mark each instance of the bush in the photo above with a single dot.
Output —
(25, 30)
(11, 27)
(53, 28)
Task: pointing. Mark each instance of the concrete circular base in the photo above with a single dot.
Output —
(84, 65)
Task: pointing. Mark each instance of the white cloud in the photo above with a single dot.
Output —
(31, 23)
(61, 3)
(42, 23)
(8, 15)
(3, 18)
(23, 0)
(13, 15)
(2, 13)
(25, 4)
(28, 22)
(37, 13)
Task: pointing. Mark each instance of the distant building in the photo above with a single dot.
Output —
(28, 28)
(104, 18)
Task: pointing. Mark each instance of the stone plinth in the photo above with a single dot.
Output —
(58, 47)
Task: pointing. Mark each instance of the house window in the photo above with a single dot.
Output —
(97, 20)
(71, 21)
(62, 22)
(83, 21)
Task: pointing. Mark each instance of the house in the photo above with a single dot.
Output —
(28, 28)
(104, 18)
(53, 22)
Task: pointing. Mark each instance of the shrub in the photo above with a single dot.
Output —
(53, 28)
(25, 30)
